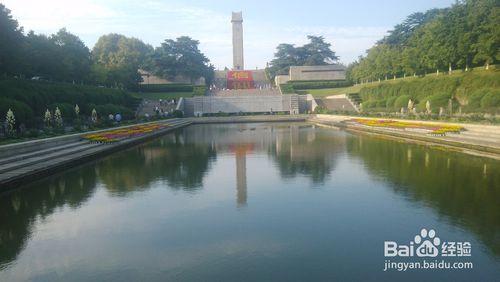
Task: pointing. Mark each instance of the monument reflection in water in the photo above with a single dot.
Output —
(285, 201)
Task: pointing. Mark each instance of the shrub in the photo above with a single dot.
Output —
(390, 102)
(402, 101)
(67, 110)
(469, 88)
(199, 90)
(104, 110)
(177, 114)
(173, 87)
(287, 88)
(22, 111)
(491, 99)
(381, 103)
(369, 104)
(302, 85)
(34, 97)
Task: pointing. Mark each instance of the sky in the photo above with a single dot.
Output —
(351, 26)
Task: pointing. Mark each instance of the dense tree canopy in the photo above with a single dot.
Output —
(117, 59)
(181, 57)
(462, 36)
(316, 52)
(11, 40)
(61, 57)
(114, 60)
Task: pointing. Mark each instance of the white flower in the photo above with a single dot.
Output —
(58, 117)
(11, 120)
(94, 116)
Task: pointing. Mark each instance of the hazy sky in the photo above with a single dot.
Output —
(352, 26)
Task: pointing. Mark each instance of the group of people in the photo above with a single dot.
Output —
(160, 107)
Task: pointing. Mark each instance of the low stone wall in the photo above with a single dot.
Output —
(327, 72)
(236, 104)
(250, 119)
(292, 104)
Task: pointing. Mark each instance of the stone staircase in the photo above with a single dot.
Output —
(355, 99)
(246, 92)
(339, 104)
(294, 104)
(149, 107)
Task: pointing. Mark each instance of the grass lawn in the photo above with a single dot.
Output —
(163, 95)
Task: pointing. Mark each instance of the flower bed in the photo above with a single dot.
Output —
(123, 133)
(433, 129)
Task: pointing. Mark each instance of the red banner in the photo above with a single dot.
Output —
(240, 80)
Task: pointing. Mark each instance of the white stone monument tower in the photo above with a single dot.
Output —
(237, 21)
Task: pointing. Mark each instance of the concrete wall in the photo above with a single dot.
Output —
(281, 79)
(293, 104)
(307, 103)
(248, 104)
(327, 72)
(235, 104)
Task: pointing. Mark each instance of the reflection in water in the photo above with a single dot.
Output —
(21, 210)
(454, 185)
(169, 159)
(305, 150)
(180, 159)
(463, 189)
(241, 175)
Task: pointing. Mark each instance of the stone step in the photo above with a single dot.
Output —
(41, 158)
(39, 152)
(473, 139)
(481, 134)
(40, 166)
(32, 166)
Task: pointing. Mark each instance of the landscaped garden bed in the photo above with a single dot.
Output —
(433, 129)
(116, 135)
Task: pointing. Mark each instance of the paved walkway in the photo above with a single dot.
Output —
(477, 139)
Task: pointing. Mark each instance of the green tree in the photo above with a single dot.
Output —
(117, 59)
(316, 52)
(11, 42)
(464, 35)
(74, 56)
(286, 55)
(181, 57)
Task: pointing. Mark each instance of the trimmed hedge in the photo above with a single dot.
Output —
(22, 112)
(173, 87)
(30, 99)
(321, 84)
(199, 90)
(287, 88)
(472, 91)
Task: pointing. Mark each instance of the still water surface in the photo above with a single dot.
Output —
(251, 202)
